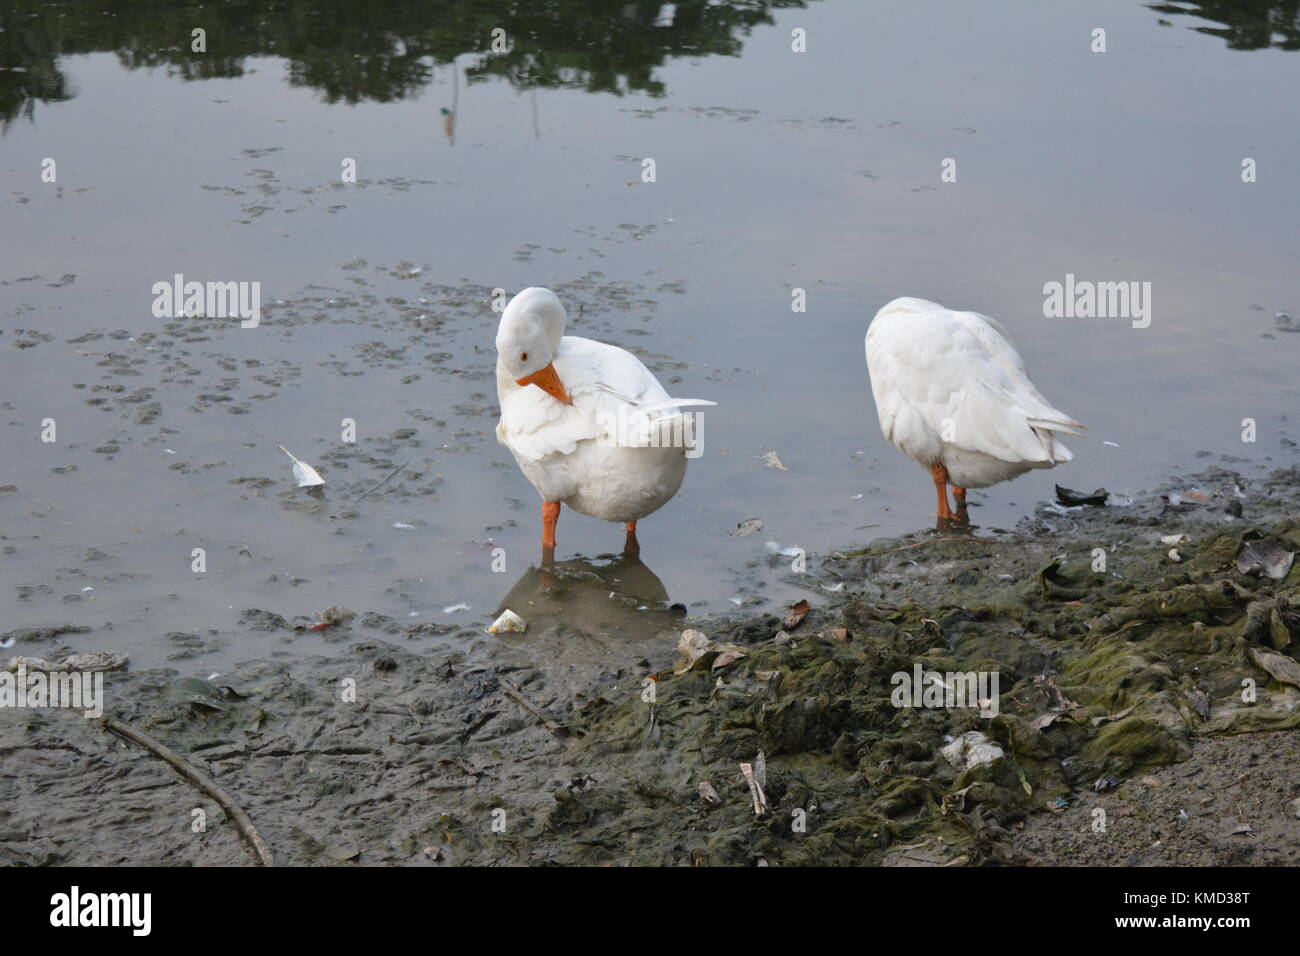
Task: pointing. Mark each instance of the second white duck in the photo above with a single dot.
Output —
(953, 395)
(589, 425)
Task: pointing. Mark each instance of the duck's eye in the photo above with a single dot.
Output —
(523, 357)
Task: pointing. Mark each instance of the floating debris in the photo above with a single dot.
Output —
(331, 616)
(697, 651)
(727, 657)
(1263, 557)
(773, 547)
(692, 645)
(1183, 500)
(747, 527)
(755, 786)
(971, 749)
(1071, 498)
(1279, 666)
(798, 612)
(508, 622)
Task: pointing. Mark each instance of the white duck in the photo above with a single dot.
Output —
(953, 394)
(589, 425)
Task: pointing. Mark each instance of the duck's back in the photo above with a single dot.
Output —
(951, 381)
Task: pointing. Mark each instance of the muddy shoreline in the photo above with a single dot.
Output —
(1121, 690)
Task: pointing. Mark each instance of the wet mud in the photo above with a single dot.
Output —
(1146, 713)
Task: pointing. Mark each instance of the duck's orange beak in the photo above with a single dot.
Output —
(548, 380)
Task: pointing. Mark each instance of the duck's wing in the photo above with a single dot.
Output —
(534, 425)
(953, 377)
(615, 389)
(615, 399)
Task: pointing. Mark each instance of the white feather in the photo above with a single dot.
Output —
(306, 475)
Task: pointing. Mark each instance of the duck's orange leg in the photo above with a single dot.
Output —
(940, 475)
(631, 547)
(550, 515)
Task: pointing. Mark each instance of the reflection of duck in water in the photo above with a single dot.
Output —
(616, 598)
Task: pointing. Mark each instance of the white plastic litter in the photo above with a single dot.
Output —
(774, 548)
(508, 623)
(971, 749)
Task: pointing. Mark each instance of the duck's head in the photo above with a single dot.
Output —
(528, 339)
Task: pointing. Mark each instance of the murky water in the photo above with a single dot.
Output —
(774, 170)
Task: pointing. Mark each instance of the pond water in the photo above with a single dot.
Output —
(775, 171)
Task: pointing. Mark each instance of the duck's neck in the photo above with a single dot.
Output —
(553, 322)
(505, 384)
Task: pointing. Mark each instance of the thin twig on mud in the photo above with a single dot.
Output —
(514, 693)
(918, 544)
(201, 780)
(400, 468)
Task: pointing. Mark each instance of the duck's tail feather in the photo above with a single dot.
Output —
(1067, 426)
(674, 403)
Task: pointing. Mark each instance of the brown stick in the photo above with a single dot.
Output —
(201, 780)
(517, 695)
(382, 483)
